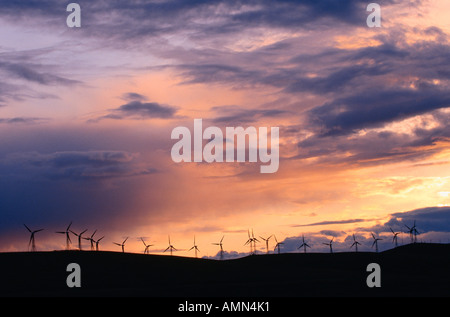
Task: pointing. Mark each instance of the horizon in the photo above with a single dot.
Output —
(87, 112)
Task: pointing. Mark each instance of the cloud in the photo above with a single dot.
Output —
(77, 165)
(374, 108)
(133, 96)
(332, 222)
(235, 115)
(427, 219)
(28, 72)
(140, 110)
(23, 120)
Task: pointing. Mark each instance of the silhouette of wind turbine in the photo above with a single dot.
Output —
(330, 244)
(249, 241)
(394, 238)
(195, 248)
(91, 239)
(32, 241)
(97, 242)
(146, 246)
(79, 238)
(170, 247)
(221, 248)
(375, 242)
(413, 232)
(122, 244)
(252, 241)
(277, 246)
(304, 245)
(355, 243)
(68, 241)
(267, 242)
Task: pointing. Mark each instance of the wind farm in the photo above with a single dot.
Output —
(323, 272)
(289, 244)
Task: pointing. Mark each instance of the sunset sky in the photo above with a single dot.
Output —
(86, 116)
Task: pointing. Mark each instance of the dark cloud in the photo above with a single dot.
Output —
(332, 222)
(235, 115)
(133, 96)
(374, 108)
(76, 165)
(149, 19)
(140, 110)
(23, 120)
(29, 73)
(427, 220)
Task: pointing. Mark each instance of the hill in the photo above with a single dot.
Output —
(410, 270)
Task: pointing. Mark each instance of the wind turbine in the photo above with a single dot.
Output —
(97, 242)
(410, 231)
(413, 232)
(91, 239)
(122, 244)
(394, 238)
(221, 248)
(277, 245)
(254, 242)
(195, 248)
(68, 241)
(79, 237)
(330, 244)
(170, 247)
(249, 241)
(32, 241)
(375, 242)
(146, 246)
(304, 245)
(355, 243)
(267, 242)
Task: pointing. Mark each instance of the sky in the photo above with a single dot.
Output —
(86, 115)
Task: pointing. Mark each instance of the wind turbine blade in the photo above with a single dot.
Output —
(27, 227)
(38, 230)
(63, 232)
(125, 240)
(222, 239)
(373, 236)
(68, 227)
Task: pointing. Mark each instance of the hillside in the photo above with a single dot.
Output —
(410, 270)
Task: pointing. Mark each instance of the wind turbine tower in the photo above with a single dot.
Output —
(375, 242)
(304, 244)
(122, 244)
(32, 242)
(195, 248)
(355, 243)
(68, 241)
(267, 242)
(221, 247)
